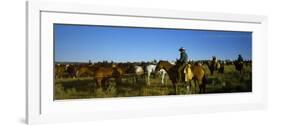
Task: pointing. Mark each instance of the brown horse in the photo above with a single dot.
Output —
(85, 70)
(195, 72)
(102, 74)
(171, 70)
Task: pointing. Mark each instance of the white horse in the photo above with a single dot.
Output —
(151, 69)
(163, 74)
(138, 73)
(139, 70)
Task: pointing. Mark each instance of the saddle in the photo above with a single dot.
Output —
(185, 70)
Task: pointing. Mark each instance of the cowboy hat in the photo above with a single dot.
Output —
(181, 49)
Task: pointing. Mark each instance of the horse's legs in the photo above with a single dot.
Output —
(166, 79)
(134, 79)
(162, 78)
(143, 77)
(195, 86)
(148, 78)
(200, 87)
(191, 86)
(118, 80)
(188, 87)
(175, 88)
(98, 82)
(203, 86)
(77, 74)
(105, 83)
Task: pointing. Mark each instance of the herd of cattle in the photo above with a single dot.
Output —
(102, 71)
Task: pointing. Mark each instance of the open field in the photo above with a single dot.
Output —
(228, 82)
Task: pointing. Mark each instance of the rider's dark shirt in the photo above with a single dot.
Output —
(240, 59)
(183, 57)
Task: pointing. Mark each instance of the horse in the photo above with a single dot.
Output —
(139, 70)
(213, 65)
(163, 73)
(151, 69)
(85, 70)
(171, 71)
(138, 73)
(221, 69)
(71, 70)
(102, 74)
(59, 71)
(238, 66)
(195, 72)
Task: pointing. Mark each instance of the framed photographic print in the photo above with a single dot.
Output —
(89, 62)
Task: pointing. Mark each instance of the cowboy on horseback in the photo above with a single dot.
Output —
(240, 58)
(239, 63)
(181, 63)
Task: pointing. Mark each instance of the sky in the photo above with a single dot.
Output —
(81, 43)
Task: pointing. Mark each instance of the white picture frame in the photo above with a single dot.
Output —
(41, 108)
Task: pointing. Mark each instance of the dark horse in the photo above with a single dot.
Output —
(239, 66)
(197, 74)
(171, 70)
(213, 65)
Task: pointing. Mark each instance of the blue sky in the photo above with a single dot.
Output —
(80, 43)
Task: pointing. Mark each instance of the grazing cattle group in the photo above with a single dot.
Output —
(194, 71)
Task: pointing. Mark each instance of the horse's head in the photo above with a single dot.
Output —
(163, 65)
(159, 66)
(214, 58)
(198, 64)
